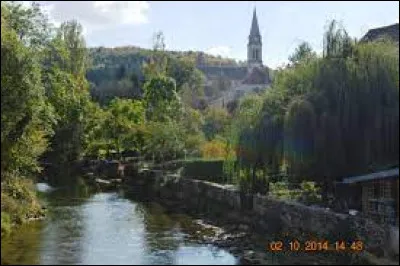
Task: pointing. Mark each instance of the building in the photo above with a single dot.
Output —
(391, 32)
(242, 78)
(254, 46)
(375, 194)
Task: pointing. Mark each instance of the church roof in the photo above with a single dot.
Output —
(254, 31)
(257, 76)
(234, 72)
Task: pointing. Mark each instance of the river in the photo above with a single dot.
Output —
(107, 228)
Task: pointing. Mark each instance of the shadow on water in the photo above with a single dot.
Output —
(88, 227)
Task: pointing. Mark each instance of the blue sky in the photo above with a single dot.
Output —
(220, 27)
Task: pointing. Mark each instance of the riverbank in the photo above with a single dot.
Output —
(109, 228)
(225, 206)
(19, 203)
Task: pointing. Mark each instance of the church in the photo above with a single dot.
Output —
(253, 76)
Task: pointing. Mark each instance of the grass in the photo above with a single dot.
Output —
(308, 193)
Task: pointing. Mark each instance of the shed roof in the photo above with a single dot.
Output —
(373, 176)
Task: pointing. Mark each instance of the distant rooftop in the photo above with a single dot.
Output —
(391, 31)
(257, 76)
(374, 176)
(231, 72)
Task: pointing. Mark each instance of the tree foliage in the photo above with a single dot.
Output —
(303, 52)
(122, 123)
(25, 115)
(330, 116)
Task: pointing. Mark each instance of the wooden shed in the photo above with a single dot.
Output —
(379, 195)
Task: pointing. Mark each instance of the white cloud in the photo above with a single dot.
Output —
(223, 51)
(129, 12)
(97, 14)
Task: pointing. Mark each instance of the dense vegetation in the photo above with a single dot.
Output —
(45, 103)
(325, 117)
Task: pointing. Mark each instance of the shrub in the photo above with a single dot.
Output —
(5, 223)
(308, 192)
(215, 149)
(210, 170)
(18, 202)
(311, 193)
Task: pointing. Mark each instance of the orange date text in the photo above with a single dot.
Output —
(315, 246)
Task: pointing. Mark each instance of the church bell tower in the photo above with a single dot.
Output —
(254, 46)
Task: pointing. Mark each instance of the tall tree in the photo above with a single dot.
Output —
(25, 116)
(302, 53)
(67, 91)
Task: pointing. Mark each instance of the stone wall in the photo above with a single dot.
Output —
(267, 215)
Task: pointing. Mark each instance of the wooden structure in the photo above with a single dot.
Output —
(379, 195)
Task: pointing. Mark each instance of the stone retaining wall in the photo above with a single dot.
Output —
(268, 215)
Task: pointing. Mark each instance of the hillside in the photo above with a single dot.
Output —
(117, 71)
(108, 60)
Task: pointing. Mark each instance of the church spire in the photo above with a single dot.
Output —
(254, 46)
(254, 31)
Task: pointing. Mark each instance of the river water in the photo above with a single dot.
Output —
(107, 228)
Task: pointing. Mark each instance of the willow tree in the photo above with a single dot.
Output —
(243, 137)
(332, 116)
(326, 117)
(271, 134)
(300, 129)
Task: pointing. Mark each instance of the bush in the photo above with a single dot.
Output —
(214, 149)
(308, 194)
(311, 193)
(5, 223)
(210, 170)
(18, 202)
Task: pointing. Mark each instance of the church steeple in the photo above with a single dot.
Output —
(254, 31)
(254, 46)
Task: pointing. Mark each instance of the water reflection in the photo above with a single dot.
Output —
(61, 238)
(22, 247)
(106, 228)
(113, 231)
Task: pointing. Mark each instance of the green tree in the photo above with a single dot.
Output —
(161, 99)
(121, 124)
(29, 23)
(216, 121)
(326, 118)
(67, 91)
(303, 52)
(25, 116)
(165, 141)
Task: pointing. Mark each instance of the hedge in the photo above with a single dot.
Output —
(209, 170)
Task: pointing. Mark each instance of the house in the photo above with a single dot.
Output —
(391, 32)
(377, 195)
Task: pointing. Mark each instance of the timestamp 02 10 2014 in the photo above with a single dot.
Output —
(316, 246)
